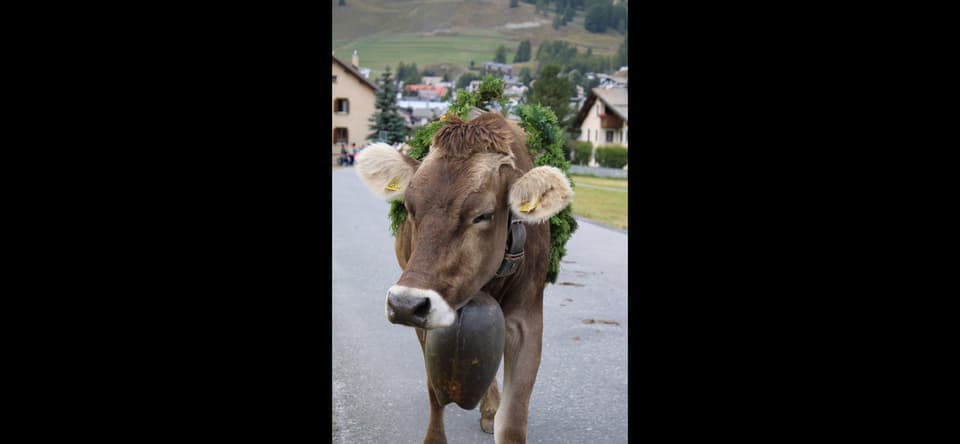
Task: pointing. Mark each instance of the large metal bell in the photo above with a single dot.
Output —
(462, 360)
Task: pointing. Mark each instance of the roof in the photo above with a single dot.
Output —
(614, 100)
(349, 68)
(497, 65)
(424, 112)
(441, 90)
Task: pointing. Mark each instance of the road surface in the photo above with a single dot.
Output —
(379, 385)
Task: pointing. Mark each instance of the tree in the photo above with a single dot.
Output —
(525, 75)
(501, 56)
(541, 7)
(465, 79)
(568, 14)
(576, 78)
(412, 76)
(554, 92)
(523, 52)
(617, 17)
(401, 71)
(596, 19)
(620, 59)
(557, 21)
(513, 3)
(386, 122)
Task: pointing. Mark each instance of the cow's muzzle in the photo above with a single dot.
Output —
(417, 307)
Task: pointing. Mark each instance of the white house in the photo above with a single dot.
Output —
(603, 118)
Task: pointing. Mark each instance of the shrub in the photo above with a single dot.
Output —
(582, 151)
(612, 156)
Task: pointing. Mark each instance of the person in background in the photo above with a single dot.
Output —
(353, 153)
(344, 157)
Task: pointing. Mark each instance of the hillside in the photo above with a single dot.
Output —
(453, 32)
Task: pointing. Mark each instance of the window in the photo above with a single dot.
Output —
(341, 106)
(609, 136)
(334, 79)
(588, 134)
(340, 136)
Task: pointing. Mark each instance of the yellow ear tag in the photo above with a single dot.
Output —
(394, 184)
(527, 207)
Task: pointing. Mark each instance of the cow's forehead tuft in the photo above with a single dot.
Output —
(488, 133)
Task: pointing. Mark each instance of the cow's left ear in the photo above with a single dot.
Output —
(539, 194)
(385, 171)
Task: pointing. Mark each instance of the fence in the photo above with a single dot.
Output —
(598, 171)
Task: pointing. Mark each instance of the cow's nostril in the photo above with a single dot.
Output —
(422, 309)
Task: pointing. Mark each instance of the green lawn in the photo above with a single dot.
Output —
(601, 181)
(605, 206)
(376, 52)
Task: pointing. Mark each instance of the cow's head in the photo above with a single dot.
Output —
(458, 201)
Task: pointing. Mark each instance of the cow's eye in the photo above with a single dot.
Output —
(483, 217)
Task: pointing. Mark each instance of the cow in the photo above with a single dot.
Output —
(461, 199)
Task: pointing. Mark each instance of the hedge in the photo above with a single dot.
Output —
(581, 154)
(612, 156)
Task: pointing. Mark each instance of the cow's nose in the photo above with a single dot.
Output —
(407, 310)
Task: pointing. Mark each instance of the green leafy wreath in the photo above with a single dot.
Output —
(545, 141)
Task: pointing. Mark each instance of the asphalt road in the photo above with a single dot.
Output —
(379, 385)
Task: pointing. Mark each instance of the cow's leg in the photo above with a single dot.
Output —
(488, 407)
(521, 360)
(435, 433)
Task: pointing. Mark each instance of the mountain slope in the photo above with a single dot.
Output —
(453, 32)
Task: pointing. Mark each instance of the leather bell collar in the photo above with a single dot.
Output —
(514, 255)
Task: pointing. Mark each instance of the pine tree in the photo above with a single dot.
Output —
(401, 71)
(501, 56)
(523, 52)
(386, 122)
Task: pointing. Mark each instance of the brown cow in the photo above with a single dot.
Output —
(459, 201)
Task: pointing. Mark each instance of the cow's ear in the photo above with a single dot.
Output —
(385, 171)
(539, 194)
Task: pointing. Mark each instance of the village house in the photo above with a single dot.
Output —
(493, 67)
(603, 119)
(514, 91)
(354, 102)
(418, 112)
(426, 92)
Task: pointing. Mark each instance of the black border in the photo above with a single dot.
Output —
(209, 224)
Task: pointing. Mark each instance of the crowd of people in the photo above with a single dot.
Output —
(347, 157)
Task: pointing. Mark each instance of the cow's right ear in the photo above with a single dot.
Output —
(385, 171)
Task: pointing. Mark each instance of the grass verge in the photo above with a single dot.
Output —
(604, 206)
